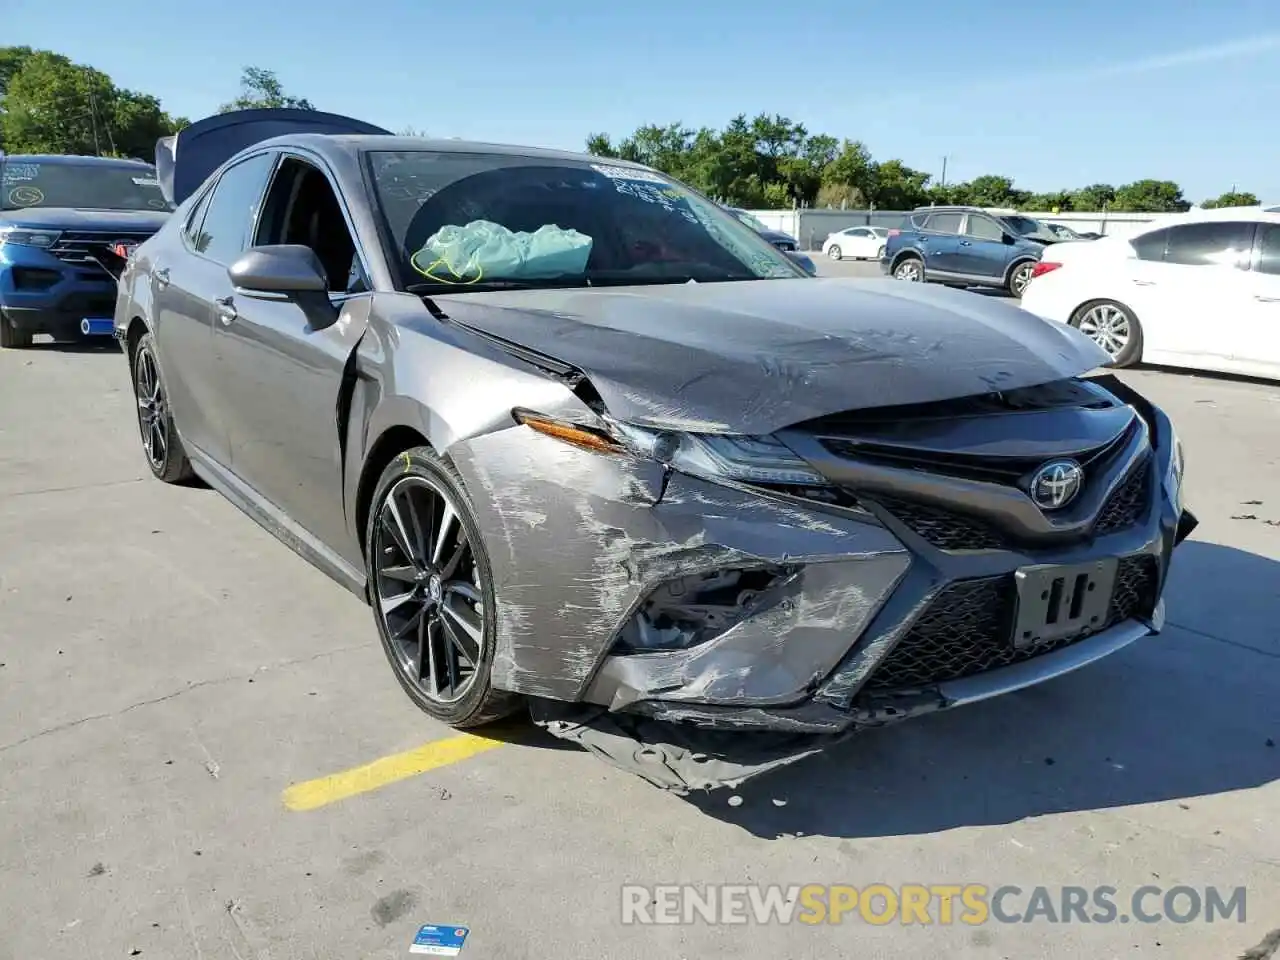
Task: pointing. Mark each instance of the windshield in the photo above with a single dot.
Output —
(1028, 227)
(750, 221)
(464, 221)
(81, 186)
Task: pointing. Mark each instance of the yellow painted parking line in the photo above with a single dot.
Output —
(312, 794)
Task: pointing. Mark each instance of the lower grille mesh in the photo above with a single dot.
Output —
(967, 629)
(942, 528)
(1126, 505)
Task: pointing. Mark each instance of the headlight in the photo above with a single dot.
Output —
(747, 459)
(28, 238)
(710, 456)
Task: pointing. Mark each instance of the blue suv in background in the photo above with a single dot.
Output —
(61, 219)
(966, 247)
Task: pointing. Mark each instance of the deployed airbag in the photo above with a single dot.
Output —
(483, 250)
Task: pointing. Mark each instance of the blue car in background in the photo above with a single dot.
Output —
(966, 247)
(64, 222)
(783, 241)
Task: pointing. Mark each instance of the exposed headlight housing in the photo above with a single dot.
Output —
(20, 236)
(745, 459)
(1177, 466)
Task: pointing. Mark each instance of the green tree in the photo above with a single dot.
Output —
(52, 105)
(261, 88)
(1150, 196)
(899, 187)
(1231, 198)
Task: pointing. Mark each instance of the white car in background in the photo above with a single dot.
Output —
(858, 243)
(1200, 291)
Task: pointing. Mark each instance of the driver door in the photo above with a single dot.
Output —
(282, 363)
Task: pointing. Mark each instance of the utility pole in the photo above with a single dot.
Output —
(943, 181)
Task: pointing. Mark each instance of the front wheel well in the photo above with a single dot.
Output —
(133, 333)
(905, 255)
(393, 442)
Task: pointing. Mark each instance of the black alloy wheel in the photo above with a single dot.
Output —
(431, 591)
(165, 455)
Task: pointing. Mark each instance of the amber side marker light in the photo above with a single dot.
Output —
(572, 433)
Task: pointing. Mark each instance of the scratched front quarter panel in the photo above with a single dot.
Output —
(577, 538)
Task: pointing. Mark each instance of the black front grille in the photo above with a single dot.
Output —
(967, 629)
(1127, 504)
(80, 247)
(943, 528)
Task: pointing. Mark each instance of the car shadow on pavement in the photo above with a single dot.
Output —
(96, 345)
(1190, 712)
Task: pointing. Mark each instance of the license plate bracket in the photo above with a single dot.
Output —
(1057, 601)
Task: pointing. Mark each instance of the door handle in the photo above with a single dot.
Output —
(161, 277)
(1145, 283)
(226, 310)
(966, 243)
(1263, 299)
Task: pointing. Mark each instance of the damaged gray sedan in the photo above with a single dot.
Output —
(585, 442)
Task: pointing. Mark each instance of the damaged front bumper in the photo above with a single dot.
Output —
(654, 617)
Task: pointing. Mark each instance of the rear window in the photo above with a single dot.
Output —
(943, 223)
(80, 186)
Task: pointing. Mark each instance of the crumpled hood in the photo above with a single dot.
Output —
(753, 357)
(68, 218)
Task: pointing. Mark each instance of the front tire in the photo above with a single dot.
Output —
(160, 444)
(1113, 327)
(834, 253)
(431, 590)
(880, 254)
(11, 338)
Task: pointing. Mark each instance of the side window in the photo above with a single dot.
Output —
(859, 232)
(918, 220)
(1227, 244)
(983, 228)
(1269, 248)
(943, 223)
(192, 231)
(1150, 246)
(302, 208)
(232, 207)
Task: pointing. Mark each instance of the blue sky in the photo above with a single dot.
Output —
(1054, 94)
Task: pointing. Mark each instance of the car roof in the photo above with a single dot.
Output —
(1257, 214)
(55, 159)
(364, 143)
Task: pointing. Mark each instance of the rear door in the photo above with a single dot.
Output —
(981, 250)
(940, 242)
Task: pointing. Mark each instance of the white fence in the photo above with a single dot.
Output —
(812, 227)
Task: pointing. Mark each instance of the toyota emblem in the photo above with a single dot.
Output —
(1056, 484)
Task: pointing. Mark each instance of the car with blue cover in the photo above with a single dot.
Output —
(966, 247)
(66, 225)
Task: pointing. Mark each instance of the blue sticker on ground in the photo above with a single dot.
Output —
(439, 941)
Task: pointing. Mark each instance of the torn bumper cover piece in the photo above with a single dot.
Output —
(699, 633)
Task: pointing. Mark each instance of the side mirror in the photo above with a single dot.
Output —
(1009, 239)
(279, 271)
(288, 272)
